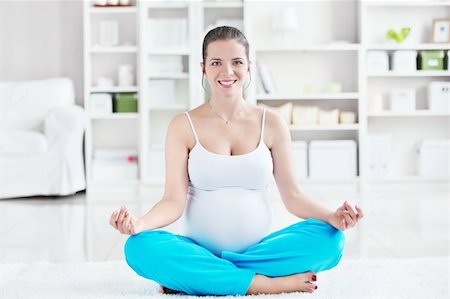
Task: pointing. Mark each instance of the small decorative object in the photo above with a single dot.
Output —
(376, 102)
(335, 87)
(109, 33)
(404, 61)
(441, 31)
(347, 117)
(398, 37)
(439, 97)
(100, 2)
(304, 115)
(377, 62)
(431, 60)
(104, 82)
(126, 75)
(403, 100)
(328, 117)
(284, 110)
(113, 2)
(266, 79)
(124, 2)
(284, 22)
(307, 89)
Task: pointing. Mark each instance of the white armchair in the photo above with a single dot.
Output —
(41, 138)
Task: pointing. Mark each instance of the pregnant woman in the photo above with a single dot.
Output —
(220, 158)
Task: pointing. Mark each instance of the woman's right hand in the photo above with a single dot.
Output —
(125, 222)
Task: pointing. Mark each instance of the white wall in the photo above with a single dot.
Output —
(42, 39)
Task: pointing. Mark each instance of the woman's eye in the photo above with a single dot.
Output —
(215, 63)
(238, 62)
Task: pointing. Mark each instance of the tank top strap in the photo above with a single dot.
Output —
(192, 126)
(262, 124)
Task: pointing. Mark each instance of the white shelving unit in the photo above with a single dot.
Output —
(184, 84)
(406, 129)
(112, 131)
(310, 61)
(322, 50)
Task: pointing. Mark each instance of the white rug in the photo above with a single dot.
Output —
(373, 278)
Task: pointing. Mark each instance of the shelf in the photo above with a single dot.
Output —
(406, 179)
(113, 116)
(310, 96)
(340, 127)
(169, 51)
(119, 49)
(115, 89)
(418, 113)
(413, 74)
(237, 4)
(162, 4)
(391, 47)
(406, 3)
(114, 182)
(330, 181)
(113, 10)
(170, 76)
(169, 107)
(313, 47)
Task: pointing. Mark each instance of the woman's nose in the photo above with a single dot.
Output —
(227, 69)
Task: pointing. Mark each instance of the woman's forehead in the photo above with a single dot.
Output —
(226, 48)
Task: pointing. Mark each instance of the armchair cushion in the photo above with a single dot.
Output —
(22, 143)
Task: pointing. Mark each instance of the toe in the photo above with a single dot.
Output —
(312, 287)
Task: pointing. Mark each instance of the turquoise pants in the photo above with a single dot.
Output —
(179, 263)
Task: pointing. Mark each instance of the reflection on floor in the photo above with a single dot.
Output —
(398, 224)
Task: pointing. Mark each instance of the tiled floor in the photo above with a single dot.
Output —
(398, 224)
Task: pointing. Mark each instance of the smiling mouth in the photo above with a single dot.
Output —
(227, 82)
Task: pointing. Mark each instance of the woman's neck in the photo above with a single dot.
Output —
(227, 107)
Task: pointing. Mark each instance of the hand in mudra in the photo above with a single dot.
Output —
(125, 222)
(345, 217)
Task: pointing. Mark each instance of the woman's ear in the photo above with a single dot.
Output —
(202, 65)
(249, 66)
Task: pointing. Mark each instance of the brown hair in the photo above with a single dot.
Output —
(225, 33)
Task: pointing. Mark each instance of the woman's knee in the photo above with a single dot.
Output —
(332, 240)
(146, 245)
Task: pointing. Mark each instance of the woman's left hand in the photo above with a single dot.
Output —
(345, 217)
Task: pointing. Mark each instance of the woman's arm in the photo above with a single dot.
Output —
(171, 206)
(297, 202)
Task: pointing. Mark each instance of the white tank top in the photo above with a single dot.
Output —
(227, 206)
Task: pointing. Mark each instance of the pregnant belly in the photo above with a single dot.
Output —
(227, 219)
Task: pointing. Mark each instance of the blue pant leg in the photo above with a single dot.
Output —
(179, 263)
(310, 245)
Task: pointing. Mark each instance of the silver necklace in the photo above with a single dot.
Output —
(227, 121)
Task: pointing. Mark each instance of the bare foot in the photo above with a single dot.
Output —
(303, 282)
(165, 290)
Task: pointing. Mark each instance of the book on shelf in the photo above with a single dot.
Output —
(265, 78)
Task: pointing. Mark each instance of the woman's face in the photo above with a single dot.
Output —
(226, 67)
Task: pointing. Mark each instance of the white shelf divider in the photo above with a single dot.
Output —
(310, 96)
(339, 127)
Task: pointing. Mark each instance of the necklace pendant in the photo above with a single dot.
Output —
(227, 122)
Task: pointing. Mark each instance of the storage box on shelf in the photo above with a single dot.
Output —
(334, 159)
(433, 159)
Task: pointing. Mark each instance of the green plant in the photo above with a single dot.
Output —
(398, 37)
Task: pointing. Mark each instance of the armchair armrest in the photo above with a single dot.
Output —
(64, 122)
